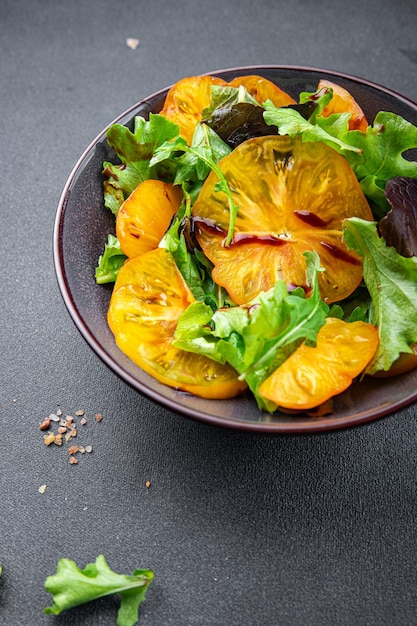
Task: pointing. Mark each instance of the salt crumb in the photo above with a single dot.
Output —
(42, 489)
(132, 43)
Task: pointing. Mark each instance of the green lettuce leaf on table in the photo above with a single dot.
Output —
(256, 338)
(391, 280)
(72, 586)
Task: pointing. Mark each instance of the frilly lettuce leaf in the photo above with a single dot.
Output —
(256, 338)
(135, 150)
(72, 587)
(110, 261)
(392, 284)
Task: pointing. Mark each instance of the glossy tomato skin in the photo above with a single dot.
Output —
(313, 374)
(292, 196)
(145, 215)
(186, 101)
(343, 102)
(149, 296)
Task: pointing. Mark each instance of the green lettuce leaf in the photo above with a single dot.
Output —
(226, 96)
(110, 261)
(380, 156)
(330, 130)
(256, 338)
(135, 151)
(375, 155)
(72, 587)
(392, 284)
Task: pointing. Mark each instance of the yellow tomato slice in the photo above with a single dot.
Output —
(344, 102)
(149, 296)
(312, 375)
(292, 197)
(263, 89)
(145, 215)
(186, 101)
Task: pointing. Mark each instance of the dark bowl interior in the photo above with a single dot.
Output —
(81, 227)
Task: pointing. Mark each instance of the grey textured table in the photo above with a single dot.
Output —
(238, 528)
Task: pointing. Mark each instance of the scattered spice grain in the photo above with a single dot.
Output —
(66, 429)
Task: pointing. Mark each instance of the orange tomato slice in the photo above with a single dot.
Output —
(344, 102)
(292, 197)
(145, 215)
(312, 375)
(186, 100)
(263, 89)
(149, 296)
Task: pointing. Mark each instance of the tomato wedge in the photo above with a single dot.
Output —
(186, 100)
(292, 197)
(149, 296)
(145, 215)
(344, 102)
(312, 375)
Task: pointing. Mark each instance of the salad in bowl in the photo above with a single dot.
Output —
(263, 243)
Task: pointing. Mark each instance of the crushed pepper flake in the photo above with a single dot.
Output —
(148, 484)
(73, 460)
(99, 417)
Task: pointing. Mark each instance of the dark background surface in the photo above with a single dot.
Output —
(238, 528)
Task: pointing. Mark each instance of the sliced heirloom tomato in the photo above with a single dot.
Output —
(186, 100)
(292, 197)
(312, 375)
(149, 296)
(344, 102)
(145, 215)
(263, 89)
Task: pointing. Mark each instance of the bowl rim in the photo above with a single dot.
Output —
(276, 428)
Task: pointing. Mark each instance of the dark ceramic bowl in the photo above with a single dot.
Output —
(81, 228)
